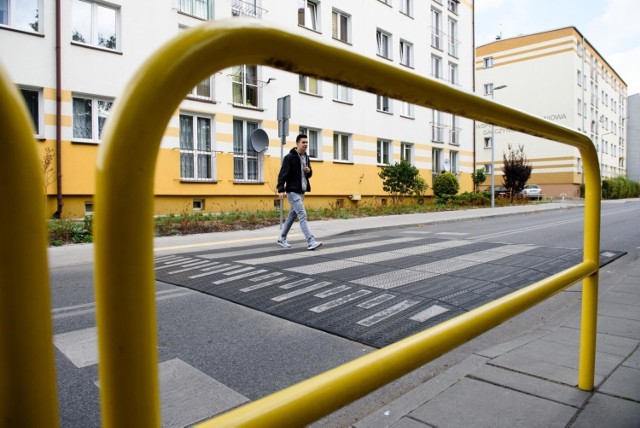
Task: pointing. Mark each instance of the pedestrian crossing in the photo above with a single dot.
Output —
(368, 283)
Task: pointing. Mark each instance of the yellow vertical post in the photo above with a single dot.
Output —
(27, 367)
(588, 322)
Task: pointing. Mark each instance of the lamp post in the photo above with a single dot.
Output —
(493, 154)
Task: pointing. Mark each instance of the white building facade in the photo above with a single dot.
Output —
(560, 76)
(206, 161)
(633, 139)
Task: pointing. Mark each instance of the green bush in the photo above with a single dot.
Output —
(445, 184)
(620, 188)
(467, 199)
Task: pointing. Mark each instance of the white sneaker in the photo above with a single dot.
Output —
(313, 245)
(283, 243)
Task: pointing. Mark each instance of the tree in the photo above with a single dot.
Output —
(478, 178)
(446, 184)
(402, 179)
(516, 169)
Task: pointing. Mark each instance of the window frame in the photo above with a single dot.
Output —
(337, 28)
(247, 155)
(384, 152)
(208, 9)
(454, 161)
(309, 7)
(94, 36)
(407, 148)
(436, 29)
(344, 143)
(452, 27)
(407, 110)
(314, 135)
(406, 53)
(384, 104)
(239, 78)
(12, 15)
(304, 85)
(406, 7)
(193, 95)
(436, 66)
(345, 90)
(487, 62)
(488, 142)
(384, 44)
(454, 76)
(38, 118)
(196, 151)
(96, 129)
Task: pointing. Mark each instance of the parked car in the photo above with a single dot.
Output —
(500, 192)
(531, 191)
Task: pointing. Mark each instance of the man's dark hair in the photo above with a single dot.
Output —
(300, 136)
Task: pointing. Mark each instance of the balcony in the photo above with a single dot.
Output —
(244, 8)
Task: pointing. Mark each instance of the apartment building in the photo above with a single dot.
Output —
(560, 76)
(72, 67)
(633, 138)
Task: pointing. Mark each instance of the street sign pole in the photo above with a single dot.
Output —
(284, 113)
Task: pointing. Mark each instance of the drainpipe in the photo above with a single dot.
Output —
(58, 212)
(473, 79)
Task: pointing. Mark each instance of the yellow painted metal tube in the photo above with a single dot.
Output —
(309, 400)
(27, 366)
(124, 264)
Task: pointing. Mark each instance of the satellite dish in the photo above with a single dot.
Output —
(445, 164)
(259, 140)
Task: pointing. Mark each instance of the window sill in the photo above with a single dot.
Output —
(97, 48)
(310, 29)
(343, 162)
(408, 66)
(248, 182)
(390, 113)
(192, 16)
(407, 14)
(202, 100)
(197, 181)
(310, 94)
(86, 142)
(342, 41)
(408, 117)
(350, 103)
(20, 30)
(384, 57)
(247, 107)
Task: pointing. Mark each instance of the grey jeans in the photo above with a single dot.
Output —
(297, 210)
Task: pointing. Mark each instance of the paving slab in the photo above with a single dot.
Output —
(531, 385)
(612, 325)
(471, 403)
(503, 348)
(623, 383)
(607, 344)
(408, 422)
(542, 369)
(606, 411)
(614, 296)
(634, 360)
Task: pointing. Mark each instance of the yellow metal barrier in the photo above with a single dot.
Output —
(27, 369)
(124, 244)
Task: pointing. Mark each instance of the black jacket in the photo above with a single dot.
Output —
(290, 177)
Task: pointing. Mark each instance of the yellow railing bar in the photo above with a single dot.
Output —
(124, 244)
(27, 366)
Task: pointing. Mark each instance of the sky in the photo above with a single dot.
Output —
(611, 26)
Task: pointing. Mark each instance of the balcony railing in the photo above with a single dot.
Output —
(243, 8)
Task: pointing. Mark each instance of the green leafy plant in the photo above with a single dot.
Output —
(478, 178)
(401, 180)
(517, 169)
(445, 184)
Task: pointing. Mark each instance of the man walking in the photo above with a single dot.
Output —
(293, 181)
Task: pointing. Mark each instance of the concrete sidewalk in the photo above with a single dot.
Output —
(532, 381)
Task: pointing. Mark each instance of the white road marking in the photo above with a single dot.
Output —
(340, 301)
(430, 312)
(387, 313)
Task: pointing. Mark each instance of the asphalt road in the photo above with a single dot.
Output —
(247, 354)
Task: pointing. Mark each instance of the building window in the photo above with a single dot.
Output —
(406, 152)
(89, 117)
(453, 73)
(453, 162)
(436, 161)
(453, 6)
(33, 99)
(310, 85)
(95, 24)
(488, 142)
(203, 91)
(579, 106)
(488, 88)
(341, 147)
(383, 152)
(341, 93)
(579, 78)
(341, 26)
(488, 169)
(309, 14)
(436, 29)
(453, 38)
(407, 109)
(437, 128)
(197, 8)
(406, 53)
(383, 103)
(21, 14)
(247, 163)
(454, 137)
(313, 135)
(196, 149)
(246, 88)
(436, 67)
(406, 7)
(384, 44)
(488, 62)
